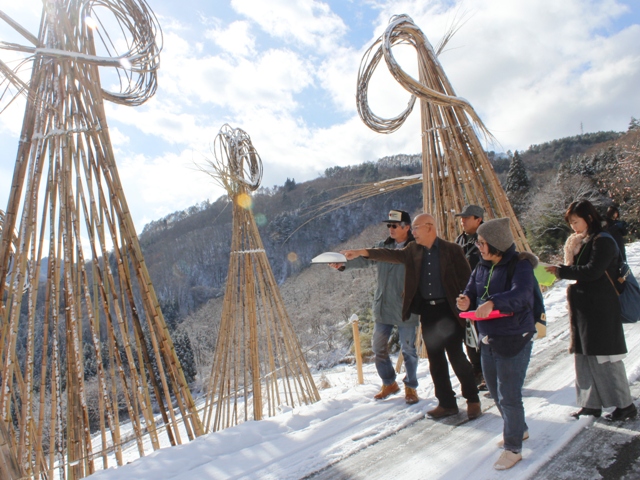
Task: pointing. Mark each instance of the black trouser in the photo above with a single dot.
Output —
(442, 333)
(474, 358)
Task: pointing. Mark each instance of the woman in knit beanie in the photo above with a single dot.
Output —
(505, 341)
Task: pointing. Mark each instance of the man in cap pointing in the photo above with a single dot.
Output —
(387, 311)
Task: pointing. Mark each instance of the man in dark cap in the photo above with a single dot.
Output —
(471, 218)
(387, 311)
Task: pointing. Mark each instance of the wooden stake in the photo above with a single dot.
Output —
(356, 345)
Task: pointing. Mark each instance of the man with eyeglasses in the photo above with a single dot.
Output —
(387, 312)
(436, 271)
(470, 219)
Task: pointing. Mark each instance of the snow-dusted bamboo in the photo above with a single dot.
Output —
(258, 364)
(67, 204)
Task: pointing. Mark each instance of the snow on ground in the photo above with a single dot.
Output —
(307, 439)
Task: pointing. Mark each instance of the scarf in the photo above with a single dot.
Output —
(573, 245)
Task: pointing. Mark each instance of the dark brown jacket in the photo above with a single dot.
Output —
(454, 271)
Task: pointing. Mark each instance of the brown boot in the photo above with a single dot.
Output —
(474, 410)
(410, 395)
(387, 390)
(441, 412)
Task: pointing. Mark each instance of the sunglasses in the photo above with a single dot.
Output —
(392, 225)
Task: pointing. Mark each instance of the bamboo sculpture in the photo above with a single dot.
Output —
(78, 287)
(258, 364)
(455, 167)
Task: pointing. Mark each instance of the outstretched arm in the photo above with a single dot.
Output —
(351, 254)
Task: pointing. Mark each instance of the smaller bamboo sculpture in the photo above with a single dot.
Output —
(258, 364)
(455, 167)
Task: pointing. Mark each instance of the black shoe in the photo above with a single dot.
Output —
(622, 413)
(594, 412)
(482, 387)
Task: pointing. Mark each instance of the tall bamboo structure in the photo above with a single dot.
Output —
(75, 286)
(258, 363)
(455, 167)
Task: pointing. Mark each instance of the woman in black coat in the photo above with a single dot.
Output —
(597, 336)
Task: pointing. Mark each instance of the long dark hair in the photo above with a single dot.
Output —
(613, 214)
(586, 211)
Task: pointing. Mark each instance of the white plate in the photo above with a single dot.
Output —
(329, 257)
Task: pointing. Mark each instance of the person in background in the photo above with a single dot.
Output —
(470, 219)
(617, 229)
(505, 342)
(597, 336)
(387, 312)
(435, 273)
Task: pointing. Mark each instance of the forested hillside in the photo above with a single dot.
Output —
(188, 252)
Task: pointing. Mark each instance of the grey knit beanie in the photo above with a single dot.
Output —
(497, 233)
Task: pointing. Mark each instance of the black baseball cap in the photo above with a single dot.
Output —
(397, 216)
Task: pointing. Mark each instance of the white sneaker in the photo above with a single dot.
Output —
(525, 436)
(507, 460)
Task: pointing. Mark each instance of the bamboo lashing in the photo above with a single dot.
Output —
(258, 364)
(76, 280)
(455, 167)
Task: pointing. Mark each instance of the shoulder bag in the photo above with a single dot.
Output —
(630, 296)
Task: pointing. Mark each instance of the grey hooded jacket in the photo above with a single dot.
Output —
(388, 299)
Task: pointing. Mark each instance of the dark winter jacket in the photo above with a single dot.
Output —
(387, 301)
(454, 272)
(509, 297)
(469, 247)
(594, 308)
(618, 229)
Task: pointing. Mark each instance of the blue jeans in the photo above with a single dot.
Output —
(505, 379)
(380, 345)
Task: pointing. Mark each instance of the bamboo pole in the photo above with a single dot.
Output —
(97, 285)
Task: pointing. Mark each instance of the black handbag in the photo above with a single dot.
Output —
(630, 296)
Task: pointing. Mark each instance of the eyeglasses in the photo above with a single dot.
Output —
(480, 244)
(421, 225)
(392, 225)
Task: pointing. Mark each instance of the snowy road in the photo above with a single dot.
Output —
(455, 448)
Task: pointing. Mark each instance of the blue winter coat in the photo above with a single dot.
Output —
(516, 297)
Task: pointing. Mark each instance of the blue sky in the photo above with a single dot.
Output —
(285, 71)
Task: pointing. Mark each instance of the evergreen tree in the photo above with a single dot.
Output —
(517, 178)
(518, 184)
(184, 352)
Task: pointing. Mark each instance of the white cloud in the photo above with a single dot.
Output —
(236, 39)
(162, 185)
(269, 79)
(310, 23)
